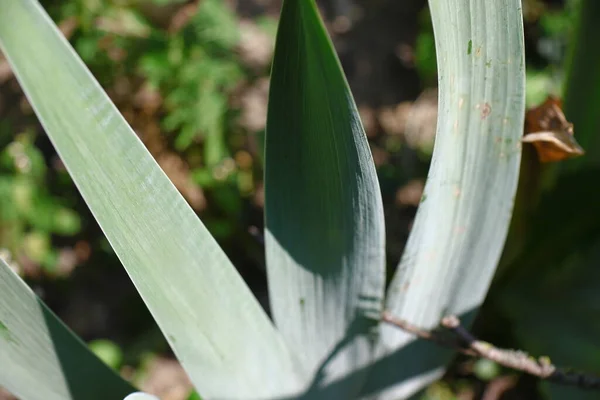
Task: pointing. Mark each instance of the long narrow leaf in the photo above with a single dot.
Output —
(582, 93)
(463, 218)
(324, 216)
(554, 306)
(40, 358)
(216, 327)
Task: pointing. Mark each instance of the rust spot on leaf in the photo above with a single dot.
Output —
(456, 191)
(486, 110)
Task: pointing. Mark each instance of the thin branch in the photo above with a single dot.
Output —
(468, 344)
(426, 335)
(513, 359)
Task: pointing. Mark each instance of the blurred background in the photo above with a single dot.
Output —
(191, 77)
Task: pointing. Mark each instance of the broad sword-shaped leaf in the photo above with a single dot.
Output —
(324, 216)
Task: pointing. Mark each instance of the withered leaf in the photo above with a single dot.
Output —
(547, 128)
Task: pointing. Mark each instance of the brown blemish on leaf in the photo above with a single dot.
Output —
(547, 128)
(486, 110)
(478, 52)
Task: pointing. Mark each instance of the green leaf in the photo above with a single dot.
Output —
(41, 358)
(207, 313)
(564, 221)
(550, 294)
(324, 215)
(582, 96)
(554, 309)
(462, 221)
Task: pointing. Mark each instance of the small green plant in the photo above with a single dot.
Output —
(325, 243)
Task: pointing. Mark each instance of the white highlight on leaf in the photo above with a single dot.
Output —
(140, 396)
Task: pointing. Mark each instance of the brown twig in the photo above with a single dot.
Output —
(425, 334)
(518, 360)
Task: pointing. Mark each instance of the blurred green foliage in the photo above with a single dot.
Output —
(195, 70)
(425, 61)
(108, 352)
(553, 27)
(182, 56)
(30, 213)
